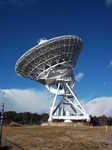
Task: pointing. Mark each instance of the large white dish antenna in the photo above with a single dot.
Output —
(51, 62)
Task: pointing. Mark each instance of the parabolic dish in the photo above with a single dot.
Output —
(50, 60)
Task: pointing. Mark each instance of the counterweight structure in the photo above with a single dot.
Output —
(51, 62)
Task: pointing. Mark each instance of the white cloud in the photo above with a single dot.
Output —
(21, 100)
(31, 100)
(79, 76)
(100, 106)
(108, 3)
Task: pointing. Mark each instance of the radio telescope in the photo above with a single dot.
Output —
(51, 62)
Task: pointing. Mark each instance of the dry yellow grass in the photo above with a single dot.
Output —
(58, 138)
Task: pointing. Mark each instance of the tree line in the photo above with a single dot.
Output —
(101, 120)
(34, 118)
(24, 118)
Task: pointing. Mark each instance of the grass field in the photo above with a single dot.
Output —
(60, 138)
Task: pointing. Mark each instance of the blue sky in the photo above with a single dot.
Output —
(24, 22)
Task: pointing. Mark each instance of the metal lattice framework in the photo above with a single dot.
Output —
(51, 63)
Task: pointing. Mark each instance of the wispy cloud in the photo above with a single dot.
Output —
(109, 65)
(108, 3)
(79, 76)
(105, 83)
(19, 3)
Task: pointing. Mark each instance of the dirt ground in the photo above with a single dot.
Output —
(59, 138)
